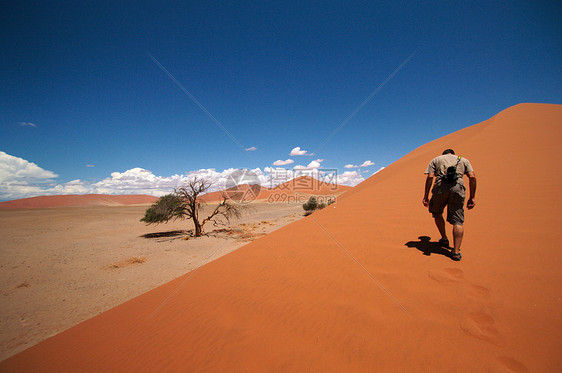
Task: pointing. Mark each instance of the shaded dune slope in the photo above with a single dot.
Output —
(72, 200)
(351, 287)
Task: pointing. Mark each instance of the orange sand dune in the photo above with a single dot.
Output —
(349, 289)
(244, 192)
(288, 191)
(310, 185)
(77, 200)
(301, 188)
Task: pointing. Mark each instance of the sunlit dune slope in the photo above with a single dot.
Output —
(78, 200)
(349, 288)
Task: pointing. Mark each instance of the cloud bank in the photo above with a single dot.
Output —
(20, 178)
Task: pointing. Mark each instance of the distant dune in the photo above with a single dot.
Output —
(302, 186)
(361, 286)
(77, 200)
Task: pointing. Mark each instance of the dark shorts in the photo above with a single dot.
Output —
(453, 198)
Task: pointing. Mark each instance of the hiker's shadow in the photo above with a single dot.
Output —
(427, 247)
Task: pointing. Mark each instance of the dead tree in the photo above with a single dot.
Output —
(185, 203)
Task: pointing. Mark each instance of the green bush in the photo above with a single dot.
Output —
(312, 205)
(166, 208)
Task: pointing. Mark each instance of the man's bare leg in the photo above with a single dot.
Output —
(440, 223)
(458, 233)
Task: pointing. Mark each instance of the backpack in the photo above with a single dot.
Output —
(451, 175)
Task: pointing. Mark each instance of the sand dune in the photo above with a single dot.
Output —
(308, 184)
(77, 200)
(298, 189)
(351, 287)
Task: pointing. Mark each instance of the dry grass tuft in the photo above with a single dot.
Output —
(247, 235)
(266, 222)
(243, 232)
(137, 259)
(128, 262)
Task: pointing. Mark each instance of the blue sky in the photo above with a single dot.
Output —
(82, 99)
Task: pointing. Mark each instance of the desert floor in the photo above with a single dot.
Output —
(61, 266)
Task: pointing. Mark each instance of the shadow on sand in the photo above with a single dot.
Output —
(165, 234)
(427, 247)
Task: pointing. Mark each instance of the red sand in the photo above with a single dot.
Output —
(77, 200)
(341, 290)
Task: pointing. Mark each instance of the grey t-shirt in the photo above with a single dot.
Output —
(439, 165)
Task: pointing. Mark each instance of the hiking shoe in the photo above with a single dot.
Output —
(456, 257)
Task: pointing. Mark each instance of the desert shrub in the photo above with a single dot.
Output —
(312, 205)
(166, 208)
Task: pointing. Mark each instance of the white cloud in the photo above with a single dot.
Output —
(27, 124)
(141, 181)
(350, 178)
(20, 178)
(90, 165)
(311, 166)
(283, 163)
(298, 151)
(252, 148)
(14, 169)
(367, 163)
(264, 179)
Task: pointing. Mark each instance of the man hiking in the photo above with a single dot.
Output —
(449, 190)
